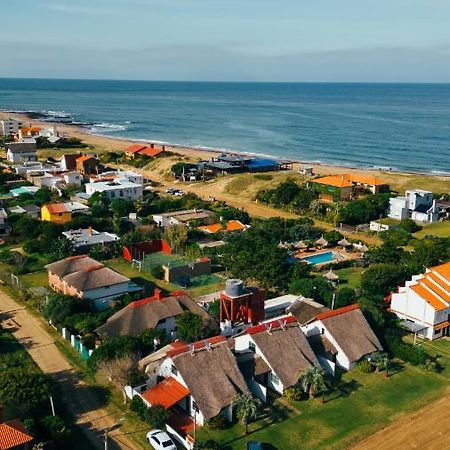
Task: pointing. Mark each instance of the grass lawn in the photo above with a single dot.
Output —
(361, 405)
(35, 279)
(441, 229)
(350, 277)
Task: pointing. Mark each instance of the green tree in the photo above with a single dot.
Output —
(43, 196)
(313, 381)
(59, 307)
(344, 296)
(122, 207)
(176, 236)
(246, 409)
(157, 416)
(380, 279)
(55, 429)
(189, 326)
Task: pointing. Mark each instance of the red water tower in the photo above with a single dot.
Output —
(240, 304)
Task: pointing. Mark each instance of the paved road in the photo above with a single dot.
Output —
(428, 428)
(80, 399)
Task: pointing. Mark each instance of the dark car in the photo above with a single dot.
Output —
(254, 445)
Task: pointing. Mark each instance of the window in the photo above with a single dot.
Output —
(121, 193)
(251, 346)
(273, 378)
(174, 370)
(322, 331)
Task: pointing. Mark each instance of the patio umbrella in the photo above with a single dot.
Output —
(322, 242)
(344, 243)
(300, 245)
(330, 275)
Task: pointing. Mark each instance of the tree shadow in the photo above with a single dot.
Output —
(395, 367)
(342, 390)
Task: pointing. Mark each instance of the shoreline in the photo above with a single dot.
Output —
(118, 143)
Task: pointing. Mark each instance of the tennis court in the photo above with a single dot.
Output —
(161, 258)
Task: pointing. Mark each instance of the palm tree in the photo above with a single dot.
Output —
(246, 409)
(381, 361)
(313, 381)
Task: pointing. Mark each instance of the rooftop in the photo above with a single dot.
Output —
(88, 236)
(13, 434)
(348, 180)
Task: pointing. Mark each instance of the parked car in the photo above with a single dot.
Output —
(255, 445)
(171, 190)
(160, 440)
(179, 193)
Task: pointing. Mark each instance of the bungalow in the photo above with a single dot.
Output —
(131, 151)
(152, 312)
(182, 217)
(32, 211)
(342, 187)
(14, 436)
(273, 354)
(305, 310)
(88, 237)
(342, 336)
(86, 278)
(116, 189)
(151, 151)
(22, 151)
(87, 165)
(56, 213)
(201, 380)
(423, 303)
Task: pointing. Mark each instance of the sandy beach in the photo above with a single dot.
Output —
(103, 143)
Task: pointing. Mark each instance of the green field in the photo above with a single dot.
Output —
(361, 405)
(441, 229)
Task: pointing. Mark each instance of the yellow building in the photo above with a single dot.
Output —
(56, 213)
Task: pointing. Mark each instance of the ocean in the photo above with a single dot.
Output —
(398, 126)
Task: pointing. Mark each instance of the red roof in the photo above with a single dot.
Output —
(13, 434)
(152, 152)
(56, 208)
(272, 325)
(197, 345)
(167, 393)
(134, 148)
(337, 312)
(84, 158)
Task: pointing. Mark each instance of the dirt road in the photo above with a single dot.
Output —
(428, 428)
(79, 398)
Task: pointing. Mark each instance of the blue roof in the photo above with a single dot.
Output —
(262, 162)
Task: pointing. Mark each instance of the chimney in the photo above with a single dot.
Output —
(89, 231)
(157, 293)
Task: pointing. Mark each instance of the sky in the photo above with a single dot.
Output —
(227, 40)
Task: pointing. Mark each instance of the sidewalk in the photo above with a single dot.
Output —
(80, 399)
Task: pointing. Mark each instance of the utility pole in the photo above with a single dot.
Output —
(118, 424)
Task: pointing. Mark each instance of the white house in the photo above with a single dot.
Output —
(201, 380)
(116, 189)
(88, 237)
(9, 127)
(273, 354)
(22, 151)
(416, 204)
(111, 175)
(425, 302)
(4, 227)
(182, 217)
(342, 336)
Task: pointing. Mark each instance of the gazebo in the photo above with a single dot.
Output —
(300, 245)
(331, 276)
(322, 242)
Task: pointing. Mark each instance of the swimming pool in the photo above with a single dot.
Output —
(319, 258)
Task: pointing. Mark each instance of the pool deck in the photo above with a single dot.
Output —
(340, 254)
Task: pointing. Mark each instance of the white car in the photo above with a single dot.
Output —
(160, 440)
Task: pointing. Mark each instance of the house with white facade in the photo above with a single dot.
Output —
(273, 354)
(82, 238)
(200, 380)
(112, 175)
(183, 217)
(4, 226)
(116, 189)
(423, 303)
(342, 336)
(416, 204)
(21, 151)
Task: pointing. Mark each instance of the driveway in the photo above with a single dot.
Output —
(80, 399)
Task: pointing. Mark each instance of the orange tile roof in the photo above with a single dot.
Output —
(152, 152)
(134, 148)
(431, 298)
(84, 158)
(348, 179)
(167, 393)
(213, 228)
(337, 312)
(437, 289)
(13, 434)
(443, 270)
(56, 208)
(235, 225)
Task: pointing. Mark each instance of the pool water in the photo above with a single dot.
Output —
(320, 258)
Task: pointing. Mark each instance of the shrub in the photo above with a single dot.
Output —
(414, 355)
(207, 445)
(365, 366)
(156, 416)
(217, 423)
(137, 405)
(294, 393)
(263, 177)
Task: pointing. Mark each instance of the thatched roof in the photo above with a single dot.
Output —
(305, 310)
(287, 351)
(300, 245)
(71, 264)
(344, 243)
(330, 275)
(94, 278)
(322, 242)
(212, 377)
(144, 314)
(351, 332)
